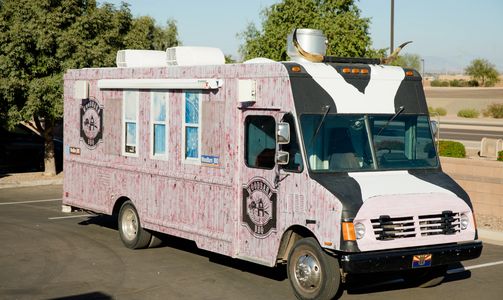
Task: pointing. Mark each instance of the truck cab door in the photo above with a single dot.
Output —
(258, 196)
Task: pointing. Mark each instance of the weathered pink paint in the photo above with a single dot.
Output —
(197, 202)
(202, 202)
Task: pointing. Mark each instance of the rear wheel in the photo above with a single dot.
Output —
(312, 273)
(132, 234)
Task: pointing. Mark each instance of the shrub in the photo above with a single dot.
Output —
(439, 110)
(468, 113)
(451, 149)
(437, 83)
(473, 83)
(494, 110)
(458, 83)
(500, 156)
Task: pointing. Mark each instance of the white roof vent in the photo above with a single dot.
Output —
(192, 56)
(140, 58)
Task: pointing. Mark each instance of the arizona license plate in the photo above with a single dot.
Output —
(421, 261)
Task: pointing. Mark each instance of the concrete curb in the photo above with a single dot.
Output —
(15, 184)
(491, 236)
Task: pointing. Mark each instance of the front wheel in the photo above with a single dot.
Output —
(312, 273)
(132, 234)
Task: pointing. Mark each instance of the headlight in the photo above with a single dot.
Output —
(464, 221)
(359, 231)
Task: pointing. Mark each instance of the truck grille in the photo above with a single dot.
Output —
(387, 228)
(446, 223)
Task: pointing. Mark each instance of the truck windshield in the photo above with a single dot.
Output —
(351, 143)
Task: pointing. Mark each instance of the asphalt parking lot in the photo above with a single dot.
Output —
(46, 254)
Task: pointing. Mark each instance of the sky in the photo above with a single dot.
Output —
(447, 34)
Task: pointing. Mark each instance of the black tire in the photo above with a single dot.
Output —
(132, 234)
(312, 272)
(156, 240)
(426, 278)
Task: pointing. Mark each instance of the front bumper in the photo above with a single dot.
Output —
(401, 259)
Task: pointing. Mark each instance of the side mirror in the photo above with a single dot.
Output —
(282, 158)
(283, 133)
(434, 127)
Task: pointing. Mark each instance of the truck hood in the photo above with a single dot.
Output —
(354, 188)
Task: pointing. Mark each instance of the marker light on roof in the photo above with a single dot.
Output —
(295, 69)
(409, 73)
(346, 70)
(364, 71)
(355, 71)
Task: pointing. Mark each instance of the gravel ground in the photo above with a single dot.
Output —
(489, 222)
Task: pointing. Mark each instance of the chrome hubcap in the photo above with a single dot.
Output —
(129, 224)
(308, 272)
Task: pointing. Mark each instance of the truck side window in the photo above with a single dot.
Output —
(159, 124)
(130, 123)
(295, 163)
(260, 142)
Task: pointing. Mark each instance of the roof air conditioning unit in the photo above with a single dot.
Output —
(140, 58)
(192, 56)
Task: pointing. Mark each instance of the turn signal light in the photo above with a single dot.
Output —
(295, 69)
(348, 231)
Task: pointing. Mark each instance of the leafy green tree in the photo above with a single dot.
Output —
(41, 39)
(408, 61)
(483, 71)
(340, 20)
(144, 34)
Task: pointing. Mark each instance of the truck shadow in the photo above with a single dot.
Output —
(381, 282)
(355, 284)
(277, 273)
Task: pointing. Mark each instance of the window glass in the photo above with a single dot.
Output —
(159, 139)
(130, 121)
(341, 143)
(192, 132)
(293, 148)
(192, 141)
(260, 144)
(191, 107)
(403, 143)
(159, 123)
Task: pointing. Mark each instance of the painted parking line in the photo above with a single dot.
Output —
(31, 201)
(453, 271)
(71, 217)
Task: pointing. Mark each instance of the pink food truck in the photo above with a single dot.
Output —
(326, 165)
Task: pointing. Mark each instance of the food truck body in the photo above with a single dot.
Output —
(328, 167)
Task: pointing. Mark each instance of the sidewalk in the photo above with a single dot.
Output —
(11, 180)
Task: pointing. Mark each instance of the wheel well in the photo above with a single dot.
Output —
(291, 235)
(118, 205)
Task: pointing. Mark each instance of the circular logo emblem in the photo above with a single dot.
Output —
(91, 122)
(259, 207)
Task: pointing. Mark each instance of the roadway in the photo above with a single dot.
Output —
(469, 134)
(466, 130)
(46, 254)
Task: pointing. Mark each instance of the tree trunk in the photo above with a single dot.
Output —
(49, 154)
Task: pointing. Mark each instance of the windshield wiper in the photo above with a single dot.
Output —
(400, 110)
(321, 123)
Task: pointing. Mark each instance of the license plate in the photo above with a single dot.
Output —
(421, 261)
